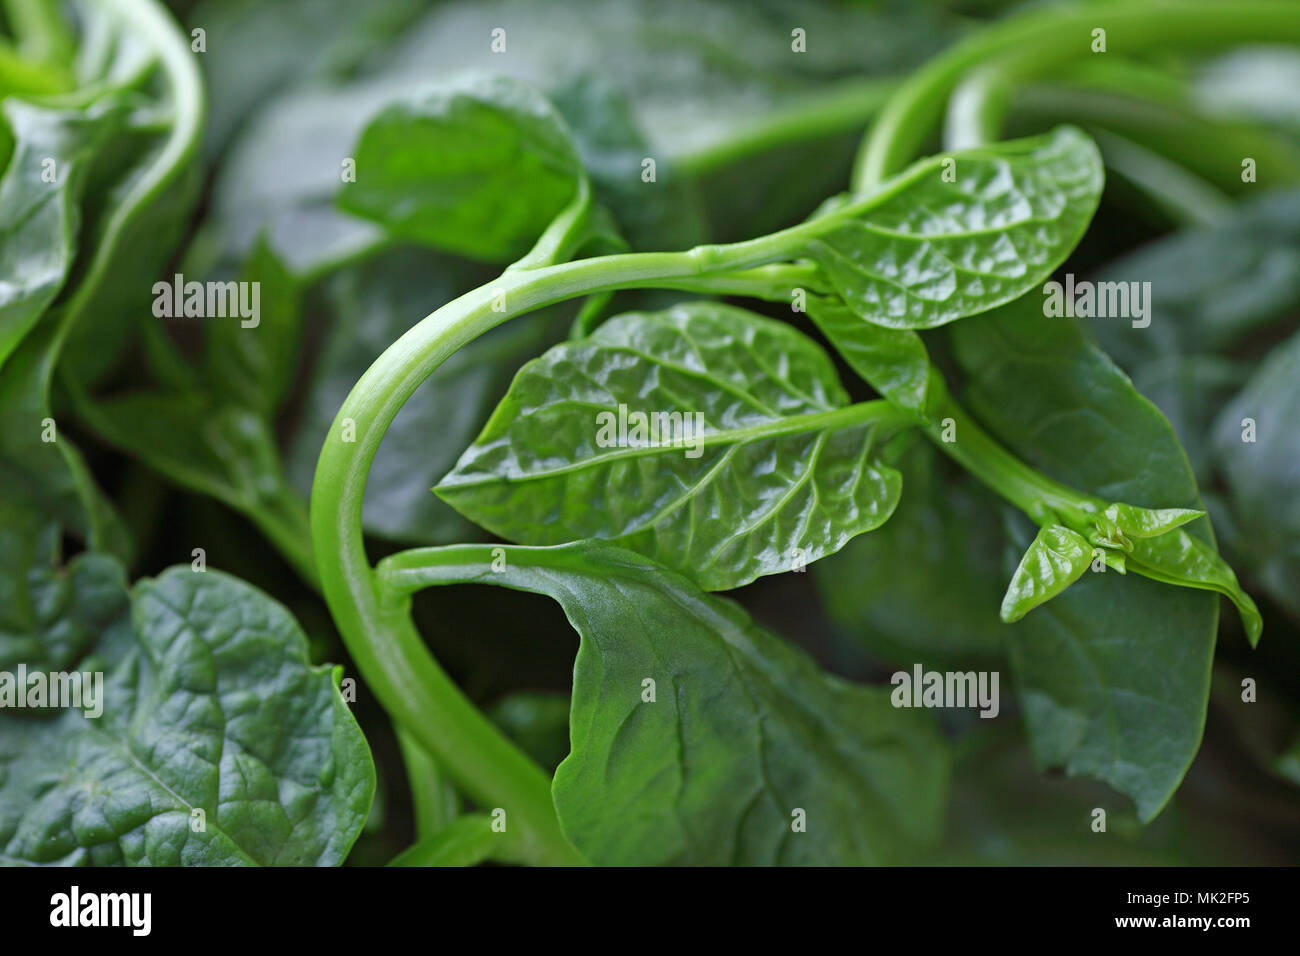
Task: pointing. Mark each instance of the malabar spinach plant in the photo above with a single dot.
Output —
(881, 397)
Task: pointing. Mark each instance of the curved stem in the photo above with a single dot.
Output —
(975, 450)
(392, 658)
(839, 108)
(1039, 40)
(1208, 148)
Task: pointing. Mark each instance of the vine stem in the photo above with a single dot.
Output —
(1042, 39)
(376, 627)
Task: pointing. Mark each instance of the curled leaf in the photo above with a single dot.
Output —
(1178, 558)
(1149, 522)
(1055, 560)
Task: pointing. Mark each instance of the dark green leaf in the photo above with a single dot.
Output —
(665, 214)
(1209, 287)
(217, 449)
(40, 466)
(253, 365)
(925, 586)
(50, 616)
(209, 703)
(1113, 675)
(743, 730)
(1263, 475)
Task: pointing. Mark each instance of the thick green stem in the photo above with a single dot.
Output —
(1038, 496)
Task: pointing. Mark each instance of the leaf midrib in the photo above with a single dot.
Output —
(860, 413)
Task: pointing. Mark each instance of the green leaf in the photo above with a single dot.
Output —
(1057, 558)
(1178, 558)
(40, 467)
(892, 361)
(664, 215)
(217, 449)
(1149, 522)
(209, 703)
(922, 251)
(1005, 814)
(1209, 287)
(280, 182)
(253, 365)
(1191, 390)
(282, 171)
(1113, 675)
(40, 195)
(478, 166)
(1262, 476)
(742, 731)
(768, 467)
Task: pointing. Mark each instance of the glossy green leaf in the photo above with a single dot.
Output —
(697, 735)
(1149, 522)
(477, 166)
(1113, 675)
(1057, 558)
(892, 361)
(765, 467)
(209, 703)
(1178, 558)
(956, 235)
